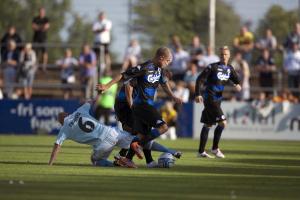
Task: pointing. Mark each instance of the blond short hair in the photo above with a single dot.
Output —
(223, 48)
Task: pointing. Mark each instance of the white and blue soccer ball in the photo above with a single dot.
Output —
(166, 160)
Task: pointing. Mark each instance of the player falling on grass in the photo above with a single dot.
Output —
(148, 123)
(82, 127)
(123, 113)
(209, 87)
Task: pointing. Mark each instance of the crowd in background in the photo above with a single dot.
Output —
(20, 61)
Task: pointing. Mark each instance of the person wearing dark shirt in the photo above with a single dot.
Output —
(266, 66)
(40, 26)
(11, 34)
(209, 87)
(149, 76)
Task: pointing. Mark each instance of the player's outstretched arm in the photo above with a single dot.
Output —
(54, 153)
(166, 87)
(104, 87)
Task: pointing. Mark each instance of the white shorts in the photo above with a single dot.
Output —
(113, 138)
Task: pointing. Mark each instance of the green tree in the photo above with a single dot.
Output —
(280, 21)
(157, 20)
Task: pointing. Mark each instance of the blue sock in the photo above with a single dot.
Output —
(158, 147)
(155, 133)
(104, 163)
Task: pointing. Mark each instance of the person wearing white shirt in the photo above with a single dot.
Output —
(102, 28)
(292, 66)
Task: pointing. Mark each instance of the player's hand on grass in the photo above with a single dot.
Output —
(198, 99)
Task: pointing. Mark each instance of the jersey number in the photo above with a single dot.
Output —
(87, 126)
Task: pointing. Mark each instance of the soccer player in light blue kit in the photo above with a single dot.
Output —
(82, 127)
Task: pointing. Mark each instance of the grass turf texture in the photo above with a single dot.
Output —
(251, 170)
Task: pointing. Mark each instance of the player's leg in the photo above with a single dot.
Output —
(207, 118)
(155, 146)
(217, 136)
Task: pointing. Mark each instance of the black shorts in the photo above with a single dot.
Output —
(123, 113)
(96, 48)
(212, 112)
(146, 117)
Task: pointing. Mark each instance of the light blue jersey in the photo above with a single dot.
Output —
(81, 127)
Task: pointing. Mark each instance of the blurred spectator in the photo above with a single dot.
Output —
(179, 64)
(181, 91)
(27, 69)
(9, 65)
(132, 54)
(242, 69)
(292, 67)
(106, 101)
(265, 65)
(244, 43)
(285, 96)
(1, 93)
(174, 43)
(196, 46)
(190, 79)
(263, 105)
(199, 60)
(292, 38)
(211, 57)
(169, 115)
(101, 29)
(269, 41)
(40, 26)
(87, 62)
(11, 34)
(67, 75)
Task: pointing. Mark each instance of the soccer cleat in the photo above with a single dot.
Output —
(137, 149)
(125, 162)
(218, 153)
(204, 155)
(152, 164)
(177, 154)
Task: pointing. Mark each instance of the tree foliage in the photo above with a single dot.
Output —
(157, 20)
(280, 21)
(21, 12)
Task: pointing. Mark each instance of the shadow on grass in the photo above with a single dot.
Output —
(43, 146)
(43, 163)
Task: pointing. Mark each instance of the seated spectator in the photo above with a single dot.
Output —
(27, 69)
(132, 55)
(285, 96)
(9, 65)
(11, 34)
(265, 65)
(244, 42)
(190, 79)
(196, 46)
(211, 57)
(179, 64)
(169, 115)
(87, 62)
(242, 69)
(291, 66)
(67, 75)
(292, 38)
(269, 41)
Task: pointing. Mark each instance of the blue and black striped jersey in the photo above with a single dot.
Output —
(214, 77)
(147, 77)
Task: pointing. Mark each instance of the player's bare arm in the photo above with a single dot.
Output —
(237, 87)
(128, 93)
(54, 153)
(167, 89)
(104, 87)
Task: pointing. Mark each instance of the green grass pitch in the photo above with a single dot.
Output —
(252, 170)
